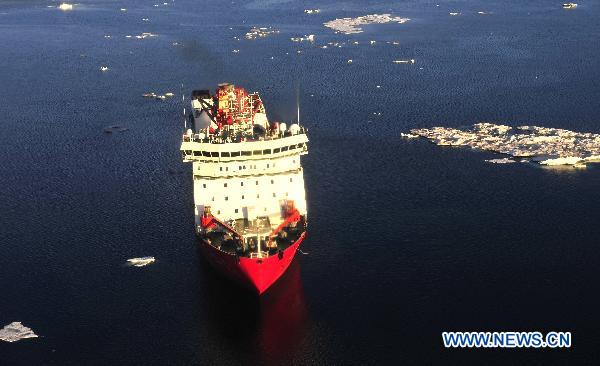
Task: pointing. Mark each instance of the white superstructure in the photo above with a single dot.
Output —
(243, 170)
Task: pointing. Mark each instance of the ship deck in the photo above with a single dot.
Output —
(255, 238)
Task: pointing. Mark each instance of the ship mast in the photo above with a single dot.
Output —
(298, 102)
(183, 102)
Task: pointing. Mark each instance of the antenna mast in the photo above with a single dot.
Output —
(183, 102)
(298, 101)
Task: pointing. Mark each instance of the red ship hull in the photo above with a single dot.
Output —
(257, 274)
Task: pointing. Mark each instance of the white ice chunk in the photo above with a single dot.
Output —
(567, 160)
(65, 6)
(141, 262)
(501, 161)
(352, 25)
(16, 331)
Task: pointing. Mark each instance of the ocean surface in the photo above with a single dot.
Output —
(406, 239)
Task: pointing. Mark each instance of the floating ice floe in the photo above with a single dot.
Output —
(141, 262)
(352, 25)
(483, 13)
(548, 146)
(123, 9)
(65, 6)
(567, 160)
(411, 61)
(263, 32)
(309, 38)
(104, 68)
(16, 331)
(142, 36)
(153, 95)
(145, 20)
(107, 36)
(569, 5)
(454, 13)
(312, 11)
(501, 161)
(236, 51)
(408, 135)
(115, 128)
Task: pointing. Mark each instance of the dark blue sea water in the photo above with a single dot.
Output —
(406, 239)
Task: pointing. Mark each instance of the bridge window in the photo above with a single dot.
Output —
(273, 194)
(242, 196)
(266, 151)
(204, 186)
(272, 181)
(242, 184)
(214, 154)
(226, 198)
(246, 153)
(225, 154)
(236, 210)
(285, 148)
(197, 153)
(257, 152)
(206, 153)
(276, 150)
(225, 185)
(235, 153)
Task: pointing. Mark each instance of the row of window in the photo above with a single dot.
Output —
(244, 197)
(242, 167)
(237, 210)
(242, 183)
(233, 154)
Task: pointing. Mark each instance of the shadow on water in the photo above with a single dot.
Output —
(269, 329)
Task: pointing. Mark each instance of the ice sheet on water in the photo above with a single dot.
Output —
(352, 25)
(141, 261)
(501, 161)
(16, 331)
(547, 146)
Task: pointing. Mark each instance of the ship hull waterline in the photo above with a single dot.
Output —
(256, 274)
